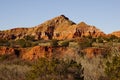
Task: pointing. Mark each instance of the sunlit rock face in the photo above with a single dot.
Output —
(116, 33)
(59, 28)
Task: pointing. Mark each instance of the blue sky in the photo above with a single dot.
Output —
(104, 14)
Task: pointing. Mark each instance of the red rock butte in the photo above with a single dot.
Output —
(59, 28)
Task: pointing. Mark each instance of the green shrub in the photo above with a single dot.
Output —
(4, 42)
(64, 43)
(113, 38)
(113, 68)
(23, 43)
(29, 38)
(55, 69)
(99, 40)
(85, 44)
(54, 42)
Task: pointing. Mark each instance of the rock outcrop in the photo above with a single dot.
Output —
(15, 33)
(116, 33)
(44, 51)
(60, 52)
(57, 28)
(6, 51)
(37, 52)
(83, 30)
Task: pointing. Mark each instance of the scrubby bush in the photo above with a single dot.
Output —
(13, 72)
(4, 42)
(23, 43)
(113, 68)
(55, 69)
(3, 57)
(112, 38)
(54, 42)
(64, 43)
(29, 38)
(13, 69)
(99, 40)
(93, 68)
(85, 44)
(6, 57)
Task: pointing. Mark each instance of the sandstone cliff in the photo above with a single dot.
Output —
(60, 52)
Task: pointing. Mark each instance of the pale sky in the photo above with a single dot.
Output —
(104, 14)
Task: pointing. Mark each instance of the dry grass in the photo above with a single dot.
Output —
(14, 69)
(13, 72)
